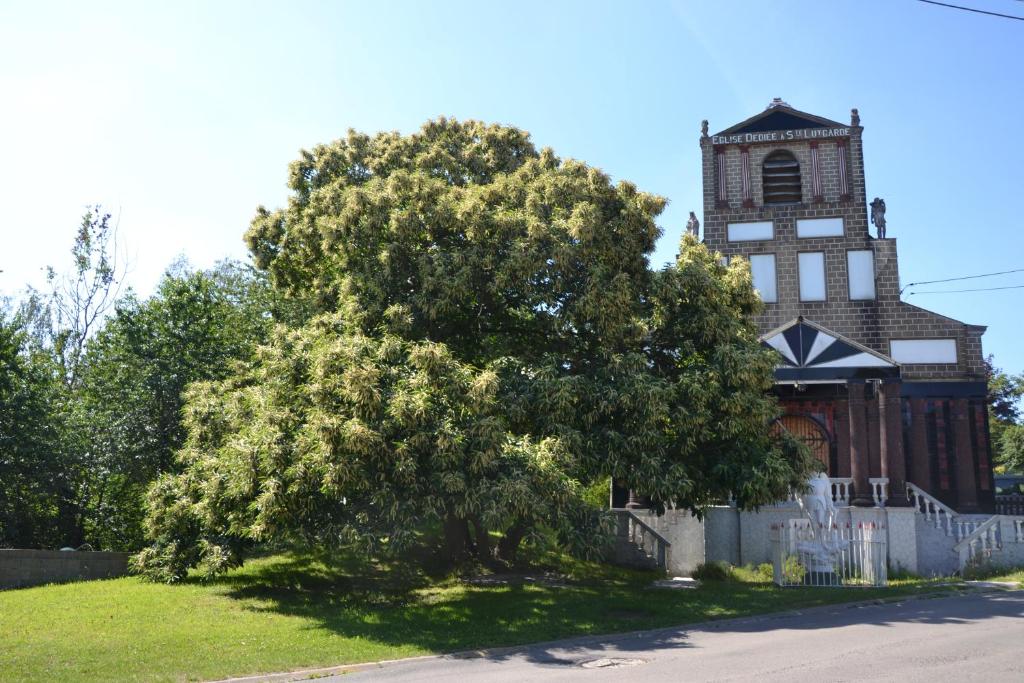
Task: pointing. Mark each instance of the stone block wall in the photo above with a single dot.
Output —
(739, 538)
(685, 532)
(20, 568)
(721, 535)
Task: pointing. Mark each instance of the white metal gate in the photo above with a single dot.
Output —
(858, 559)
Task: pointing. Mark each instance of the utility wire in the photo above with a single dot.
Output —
(955, 279)
(957, 291)
(971, 9)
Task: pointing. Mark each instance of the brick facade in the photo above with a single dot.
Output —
(871, 323)
(928, 423)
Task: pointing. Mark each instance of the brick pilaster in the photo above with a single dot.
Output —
(748, 199)
(873, 433)
(921, 464)
(815, 175)
(859, 446)
(966, 481)
(842, 438)
(890, 425)
(721, 194)
(844, 175)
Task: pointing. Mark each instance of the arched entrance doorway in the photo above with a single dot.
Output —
(813, 435)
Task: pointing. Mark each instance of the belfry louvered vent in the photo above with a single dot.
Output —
(780, 177)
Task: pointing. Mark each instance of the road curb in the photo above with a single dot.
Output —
(578, 641)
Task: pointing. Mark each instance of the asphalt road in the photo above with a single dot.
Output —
(963, 638)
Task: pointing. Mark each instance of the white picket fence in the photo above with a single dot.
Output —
(861, 559)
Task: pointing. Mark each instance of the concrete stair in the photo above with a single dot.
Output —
(637, 545)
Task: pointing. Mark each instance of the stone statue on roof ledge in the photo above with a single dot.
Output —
(777, 102)
(854, 117)
(693, 225)
(878, 216)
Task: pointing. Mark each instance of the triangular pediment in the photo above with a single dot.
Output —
(809, 351)
(781, 117)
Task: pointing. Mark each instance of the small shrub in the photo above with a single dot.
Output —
(900, 574)
(792, 571)
(712, 571)
(979, 569)
(748, 573)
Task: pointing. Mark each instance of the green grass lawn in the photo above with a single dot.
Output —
(294, 611)
(1016, 576)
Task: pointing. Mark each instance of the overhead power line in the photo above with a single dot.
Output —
(957, 291)
(956, 279)
(972, 9)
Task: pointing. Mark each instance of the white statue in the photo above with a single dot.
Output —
(817, 502)
(824, 544)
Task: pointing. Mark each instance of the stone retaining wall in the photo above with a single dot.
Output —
(20, 568)
(738, 537)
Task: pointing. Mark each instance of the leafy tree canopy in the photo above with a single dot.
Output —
(127, 407)
(1011, 447)
(30, 439)
(1007, 435)
(488, 338)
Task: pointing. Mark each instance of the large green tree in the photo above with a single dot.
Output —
(127, 412)
(1005, 391)
(514, 271)
(31, 430)
(1007, 434)
(92, 386)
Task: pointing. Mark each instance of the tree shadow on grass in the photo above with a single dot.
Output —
(406, 603)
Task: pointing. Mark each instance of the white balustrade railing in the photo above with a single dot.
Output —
(968, 527)
(879, 490)
(934, 510)
(1018, 530)
(647, 539)
(978, 545)
(841, 487)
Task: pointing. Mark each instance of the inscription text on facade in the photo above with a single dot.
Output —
(780, 136)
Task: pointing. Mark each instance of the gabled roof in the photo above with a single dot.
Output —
(781, 116)
(807, 351)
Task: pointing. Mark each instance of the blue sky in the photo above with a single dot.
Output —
(182, 117)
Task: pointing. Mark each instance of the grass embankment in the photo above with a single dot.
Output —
(295, 611)
(1014, 576)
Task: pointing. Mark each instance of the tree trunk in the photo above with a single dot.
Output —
(456, 536)
(483, 541)
(508, 546)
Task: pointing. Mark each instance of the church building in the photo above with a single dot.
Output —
(884, 392)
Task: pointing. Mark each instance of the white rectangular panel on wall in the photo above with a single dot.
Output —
(930, 351)
(819, 227)
(860, 269)
(745, 232)
(762, 269)
(812, 275)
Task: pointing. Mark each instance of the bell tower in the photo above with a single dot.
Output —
(785, 189)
